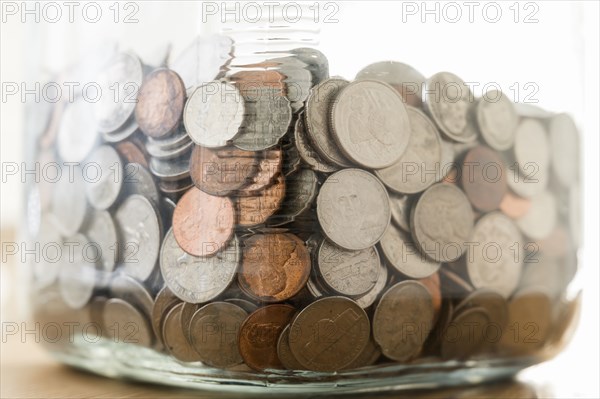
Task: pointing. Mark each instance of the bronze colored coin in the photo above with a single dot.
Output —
(484, 178)
(165, 300)
(126, 324)
(251, 82)
(275, 267)
(259, 333)
(492, 301)
(369, 355)
(433, 285)
(160, 103)
(202, 223)
(175, 340)
(269, 166)
(513, 206)
(464, 336)
(329, 334)
(220, 171)
(285, 352)
(187, 312)
(132, 153)
(214, 333)
(256, 209)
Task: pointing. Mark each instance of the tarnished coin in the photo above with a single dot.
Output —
(259, 333)
(540, 219)
(350, 273)
(77, 277)
(102, 233)
(138, 180)
(269, 166)
(174, 337)
(77, 135)
(214, 114)
(223, 170)
(369, 355)
(202, 223)
(403, 319)
(46, 271)
(497, 120)
(275, 267)
(370, 297)
(407, 80)
(254, 210)
(493, 302)
(353, 209)
(464, 336)
(69, 205)
(514, 206)
(370, 123)
(125, 324)
(197, 279)
(329, 334)
(400, 206)
(448, 100)
(442, 222)
(284, 351)
(307, 152)
(564, 143)
(104, 177)
(400, 251)
(418, 167)
(171, 170)
(532, 149)
(484, 178)
(160, 103)
(131, 152)
(433, 285)
(214, 334)
(140, 231)
(164, 302)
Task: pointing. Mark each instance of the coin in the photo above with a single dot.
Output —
(164, 302)
(530, 184)
(353, 209)
(300, 194)
(442, 222)
(77, 135)
(138, 180)
(178, 139)
(269, 166)
(77, 276)
(125, 324)
(532, 149)
(404, 78)
(275, 267)
(370, 124)
(540, 219)
(214, 332)
(448, 167)
(174, 338)
(400, 207)
(259, 333)
(256, 209)
(448, 101)
(369, 355)
(306, 151)
(514, 206)
(284, 351)
(433, 285)
(46, 271)
(104, 171)
(223, 170)
(454, 285)
(214, 114)
(132, 153)
(464, 336)
(102, 232)
(564, 143)
(575, 213)
(493, 302)
(203, 223)
(418, 167)
(329, 334)
(402, 320)
(483, 178)
(69, 205)
(171, 170)
(370, 297)
(160, 153)
(497, 120)
(129, 289)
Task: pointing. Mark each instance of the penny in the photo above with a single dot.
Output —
(433, 285)
(284, 351)
(306, 151)
(160, 103)
(532, 149)
(514, 206)
(484, 178)
(407, 80)
(259, 333)
(350, 273)
(138, 180)
(77, 135)
(448, 101)
(269, 166)
(222, 171)
(497, 120)
(402, 320)
(175, 341)
(165, 300)
(197, 279)
(214, 334)
(370, 124)
(329, 334)
(77, 276)
(400, 251)
(258, 82)
(564, 143)
(104, 179)
(132, 153)
(540, 219)
(102, 233)
(370, 297)
(125, 324)
(214, 114)
(202, 223)
(464, 336)
(353, 209)
(69, 204)
(442, 222)
(400, 207)
(275, 267)
(256, 209)
(436, 336)
(46, 271)
(418, 166)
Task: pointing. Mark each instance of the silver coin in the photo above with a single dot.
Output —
(350, 273)
(119, 82)
(69, 204)
(400, 206)
(284, 352)
(102, 233)
(447, 163)
(140, 231)
(132, 291)
(532, 149)
(306, 152)
(125, 324)
(214, 114)
(404, 78)
(300, 193)
(400, 251)
(540, 219)
(492, 262)
(418, 167)
(104, 177)
(198, 279)
(353, 209)
(171, 170)
(534, 182)
(564, 143)
(46, 270)
(122, 133)
(162, 154)
(316, 62)
(527, 110)
(370, 123)
(77, 277)
(77, 135)
(370, 297)
(176, 140)
(448, 101)
(138, 180)
(497, 120)
(442, 222)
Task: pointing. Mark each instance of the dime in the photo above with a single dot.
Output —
(532, 149)
(484, 178)
(202, 223)
(132, 153)
(172, 170)
(269, 166)
(275, 267)
(513, 206)
(370, 297)
(77, 277)
(540, 219)
(370, 124)
(138, 180)
(418, 167)
(214, 114)
(46, 271)
(497, 120)
(174, 338)
(214, 332)
(353, 209)
(69, 205)
(564, 143)
(256, 209)
(77, 135)
(329, 334)
(164, 302)
(400, 207)
(284, 351)
(306, 151)
(442, 222)
(125, 324)
(102, 233)
(404, 78)
(464, 336)
(402, 320)
(104, 186)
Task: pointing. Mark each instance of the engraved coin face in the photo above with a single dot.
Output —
(484, 178)
(353, 209)
(104, 186)
(174, 338)
(564, 143)
(532, 149)
(497, 120)
(370, 123)
(407, 80)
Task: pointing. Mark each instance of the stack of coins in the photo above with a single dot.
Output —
(272, 216)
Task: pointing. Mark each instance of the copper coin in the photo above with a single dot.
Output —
(465, 334)
(275, 267)
(202, 223)
(484, 178)
(165, 301)
(269, 165)
(433, 285)
(160, 103)
(250, 83)
(256, 209)
(219, 171)
(259, 334)
(514, 206)
(132, 153)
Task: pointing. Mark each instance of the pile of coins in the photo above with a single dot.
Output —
(272, 216)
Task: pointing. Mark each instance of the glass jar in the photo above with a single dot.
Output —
(275, 200)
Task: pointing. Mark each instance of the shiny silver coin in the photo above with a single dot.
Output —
(105, 177)
(77, 135)
(158, 152)
(176, 140)
(122, 133)
(497, 120)
(77, 278)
